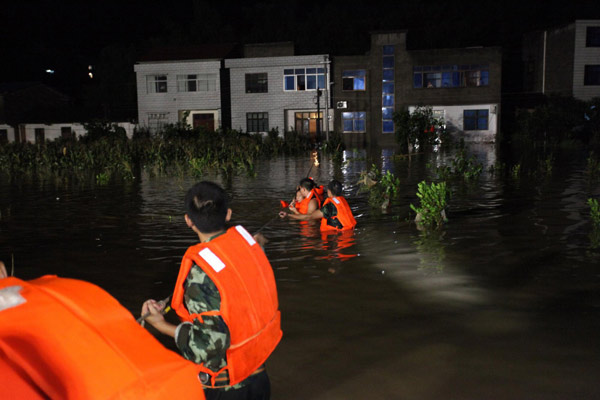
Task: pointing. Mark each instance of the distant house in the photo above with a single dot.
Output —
(266, 86)
(275, 89)
(462, 86)
(564, 60)
(186, 84)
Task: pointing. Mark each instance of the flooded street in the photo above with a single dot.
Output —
(503, 303)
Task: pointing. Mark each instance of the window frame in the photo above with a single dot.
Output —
(592, 36)
(157, 82)
(304, 77)
(354, 76)
(257, 82)
(451, 76)
(40, 135)
(257, 122)
(355, 118)
(202, 82)
(476, 119)
(591, 75)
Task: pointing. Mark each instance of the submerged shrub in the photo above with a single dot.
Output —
(432, 212)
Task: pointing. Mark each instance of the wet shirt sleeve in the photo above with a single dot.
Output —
(204, 342)
(329, 210)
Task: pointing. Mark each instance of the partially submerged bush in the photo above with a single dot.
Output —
(432, 212)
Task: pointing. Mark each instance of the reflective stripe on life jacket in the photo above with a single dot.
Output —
(69, 339)
(244, 278)
(344, 215)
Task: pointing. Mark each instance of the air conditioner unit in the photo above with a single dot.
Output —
(342, 104)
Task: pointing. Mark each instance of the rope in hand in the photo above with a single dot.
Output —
(165, 310)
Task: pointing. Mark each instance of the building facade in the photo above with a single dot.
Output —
(284, 93)
(179, 91)
(268, 87)
(564, 61)
(462, 86)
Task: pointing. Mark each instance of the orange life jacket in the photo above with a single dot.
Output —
(239, 268)
(302, 206)
(320, 192)
(344, 215)
(68, 339)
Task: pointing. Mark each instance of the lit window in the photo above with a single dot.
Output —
(354, 121)
(591, 75)
(353, 80)
(156, 83)
(388, 126)
(257, 122)
(475, 120)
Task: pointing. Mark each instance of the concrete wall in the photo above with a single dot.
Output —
(453, 117)
(560, 53)
(584, 56)
(452, 100)
(26, 132)
(279, 104)
(173, 103)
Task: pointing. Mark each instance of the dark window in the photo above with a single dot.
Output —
(451, 76)
(388, 50)
(592, 37)
(3, 136)
(40, 135)
(156, 83)
(475, 120)
(257, 122)
(353, 80)
(591, 76)
(257, 83)
(66, 132)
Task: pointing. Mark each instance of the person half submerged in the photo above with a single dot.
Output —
(311, 197)
(335, 214)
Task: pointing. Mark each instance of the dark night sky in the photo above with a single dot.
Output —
(67, 35)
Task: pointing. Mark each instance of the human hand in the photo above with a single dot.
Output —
(152, 311)
(282, 214)
(3, 273)
(259, 237)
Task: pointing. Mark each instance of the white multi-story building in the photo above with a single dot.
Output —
(179, 91)
(284, 93)
(564, 60)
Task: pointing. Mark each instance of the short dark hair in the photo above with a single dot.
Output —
(307, 183)
(206, 204)
(335, 187)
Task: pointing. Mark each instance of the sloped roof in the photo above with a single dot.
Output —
(196, 52)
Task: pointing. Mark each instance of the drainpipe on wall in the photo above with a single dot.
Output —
(544, 64)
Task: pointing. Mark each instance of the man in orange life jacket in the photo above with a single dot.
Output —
(227, 299)
(335, 213)
(313, 197)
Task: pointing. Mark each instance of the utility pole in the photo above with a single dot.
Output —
(326, 62)
(319, 115)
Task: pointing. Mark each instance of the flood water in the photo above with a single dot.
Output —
(503, 303)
